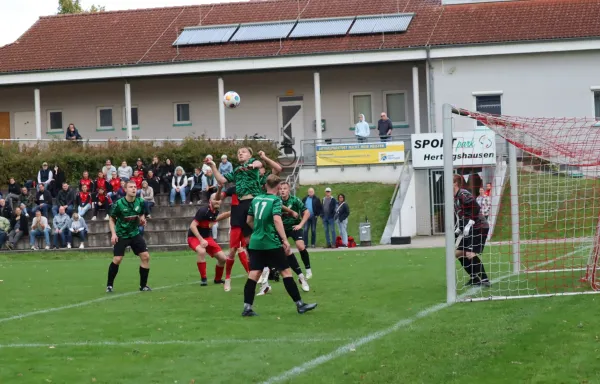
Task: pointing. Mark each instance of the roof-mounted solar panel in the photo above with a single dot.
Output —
(322, 27)
(206, 35)
(263, 31)
(381, 23)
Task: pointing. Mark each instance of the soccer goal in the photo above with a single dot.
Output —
(546, 214)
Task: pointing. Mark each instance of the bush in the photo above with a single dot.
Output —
(24, 161)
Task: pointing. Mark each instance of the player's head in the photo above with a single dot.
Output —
(284, 189)
(244, 154)
(272, 184)
(214, 203)
(458, 182)
(130, 189)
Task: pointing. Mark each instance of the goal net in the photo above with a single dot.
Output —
(544, 208)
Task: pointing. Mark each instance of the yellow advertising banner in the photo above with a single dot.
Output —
(360, 153)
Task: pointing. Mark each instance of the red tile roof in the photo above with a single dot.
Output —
(146, 35)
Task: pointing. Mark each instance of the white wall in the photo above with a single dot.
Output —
(385, 174)
(408, 212)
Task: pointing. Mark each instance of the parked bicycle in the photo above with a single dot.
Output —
(287, 153)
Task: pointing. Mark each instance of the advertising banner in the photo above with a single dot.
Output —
(360, 153)
(470, 149)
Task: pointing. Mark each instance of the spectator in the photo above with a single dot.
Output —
(4, 230)
(225, 167)
(61, 224)
(137, 179)
(341, 219)
(209, 184)
(153, 181)
(44, 176)
(206, 167)
(362, 129)
(39, 227)
(314, 206)
(178, 185)
(65, 199)
(124, 172)
(14, 190)
(83, 201)
(72, 133)
(329, 208)
(166, 174)
(141, 168)
(79, 228)
(100, 182)
(108, 170)
(27, 202)
(101, 202)
(488, 189)
(59, 179)
(43, 199)
(85, 181)
(155, 167)
(5, 209)
(484, 202)
(147, 193)
(384, 126)
(19, 227)
(119, 193)
(196, 188)
(115, 185)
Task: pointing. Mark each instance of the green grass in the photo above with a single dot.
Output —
(371, 200)
(359, 292)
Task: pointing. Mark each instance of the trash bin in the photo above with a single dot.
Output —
(364, 230)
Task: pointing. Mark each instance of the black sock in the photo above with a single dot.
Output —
(144, 276)
(478, 268)
(467, 265)
(305, 258)
(113, 269)
(291, 288)
(249, 290)
(294, 264)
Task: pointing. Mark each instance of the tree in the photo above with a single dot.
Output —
(74, 6)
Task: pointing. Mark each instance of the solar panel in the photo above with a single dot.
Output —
(263, 31)
(322, 27)
(206, 35)
(381, 23)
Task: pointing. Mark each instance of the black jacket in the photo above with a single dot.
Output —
(58, 178)
(72, 135)
(24, 224)
(154, 183)
(65, 197)
(342, 212)
(47, 197)
(6, 211)
(14, 188)
(317, 206)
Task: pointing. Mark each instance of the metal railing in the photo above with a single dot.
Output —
(121, 140)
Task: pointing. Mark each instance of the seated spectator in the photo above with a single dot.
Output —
(19, 227)
(85, 181)
(39, 228)
(139, 165)
(4, 230)
(147, 193)
(118, 194)
(124, 172)
(166, 174)
(43, 199)
(83, 200)
(108, 170)
(65, 199)
(61, 224)
(100, 182)
(5, 209)
(153, 181)
(225, 167)
(14, 190)
(178, 186)
(137, 179)
(102, 202)
(196, 188)
(27, 202)
(209, 184)
(115, 184)
(79, 228)
(155, 168)
(57, 182)
(44, 176)
(206, 167)
(72, 133)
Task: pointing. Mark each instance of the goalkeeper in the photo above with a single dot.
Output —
(471, 225)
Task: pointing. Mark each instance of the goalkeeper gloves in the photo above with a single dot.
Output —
(468, 228)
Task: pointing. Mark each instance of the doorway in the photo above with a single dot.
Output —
(291, 121)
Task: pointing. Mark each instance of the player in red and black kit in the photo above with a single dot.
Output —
(201, 241)
(470, 223)
(239, 228)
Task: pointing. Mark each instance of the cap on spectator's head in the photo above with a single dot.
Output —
(223, 157)
(44, 164)
(139, 159)
(327, 189)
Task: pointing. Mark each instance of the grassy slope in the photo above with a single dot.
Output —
(364, 199)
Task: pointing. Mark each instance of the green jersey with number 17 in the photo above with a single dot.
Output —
(264, 235)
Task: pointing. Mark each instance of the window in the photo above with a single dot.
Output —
(182, 113)
(488, 104)
(55, 121)
(597, 105)
(395, 106)
(105, 118)
(361, 103)
(135, 122)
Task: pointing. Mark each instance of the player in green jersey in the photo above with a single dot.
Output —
(126, 216)
(268, 246)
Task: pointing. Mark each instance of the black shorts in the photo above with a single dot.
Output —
(296, 235)
(239, 216)
(475, 241)
(273, 258)
(137, 244)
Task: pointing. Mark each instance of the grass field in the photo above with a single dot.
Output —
(381, 319)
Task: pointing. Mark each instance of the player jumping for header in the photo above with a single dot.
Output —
(126, 216)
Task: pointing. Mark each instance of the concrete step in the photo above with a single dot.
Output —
(154, 224)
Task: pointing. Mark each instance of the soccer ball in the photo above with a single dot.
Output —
(231, 99)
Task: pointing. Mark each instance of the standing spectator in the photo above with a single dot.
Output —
(209, 184)
(329, 208)
(61, 224)
(147, 193)
(362, 129)
(206, 167)
(341, 218)
(100, 182)
(166, 174)
(314, 206)
(44, 176)
(102, 202)
(153, 181)
(488, 189)
(27, 202)
(39, 227)
(5, 209)
(83, 201)
(65, 199)
(14, 190)
(484, 202)
(85, 181)
(78, 228)
(43, 199)
(4, 230)
(178, 186)
(225, 167)
(108, 170)
(140, 167)
(124, 172)
(72, 133)
(196, 188)
(59, 179)
(384, 126)
(19, 227)
(115, 185)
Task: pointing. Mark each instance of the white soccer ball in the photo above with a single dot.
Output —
(231, 99)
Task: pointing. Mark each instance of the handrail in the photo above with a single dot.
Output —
(123, 140)
(292, 178)
(404, 168)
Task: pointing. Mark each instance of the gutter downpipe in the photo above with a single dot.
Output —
(431, 100)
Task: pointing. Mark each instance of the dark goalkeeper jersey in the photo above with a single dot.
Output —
(127, 217)
(466, 208)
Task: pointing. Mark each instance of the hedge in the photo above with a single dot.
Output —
(23, 161)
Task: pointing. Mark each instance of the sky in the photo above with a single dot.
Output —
(16, 16)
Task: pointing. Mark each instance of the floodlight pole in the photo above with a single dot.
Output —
(449, 205)
(514, 208)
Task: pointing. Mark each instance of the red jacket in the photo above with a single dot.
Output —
(101, 183)
(87, 183)
(138, 181)
(103, 199)
(115, 184)
(83, 198)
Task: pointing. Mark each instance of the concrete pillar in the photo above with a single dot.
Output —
(38, 114)
(416, 109)
(317, 80)
(128, 111)
(221, 93)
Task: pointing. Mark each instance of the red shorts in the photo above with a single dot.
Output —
(236, 238)
(212, 249)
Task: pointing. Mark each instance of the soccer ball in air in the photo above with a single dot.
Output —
(231, 99)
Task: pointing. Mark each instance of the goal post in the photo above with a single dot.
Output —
(545, 218)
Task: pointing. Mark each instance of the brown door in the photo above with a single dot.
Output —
(4, 125)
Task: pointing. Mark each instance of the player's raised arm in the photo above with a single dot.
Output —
(220, 178)
(275, 166)
(224, 215)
